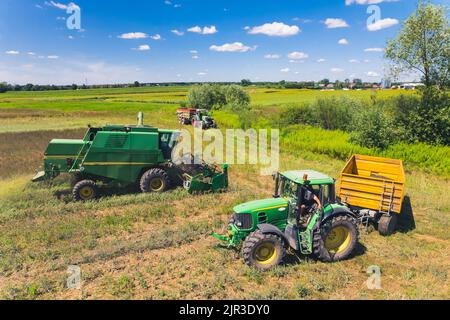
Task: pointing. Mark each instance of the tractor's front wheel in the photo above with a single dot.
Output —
(155, 180)
(336, 239)
(85, 190)
(263, 251)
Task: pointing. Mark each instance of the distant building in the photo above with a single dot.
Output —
(411, 85)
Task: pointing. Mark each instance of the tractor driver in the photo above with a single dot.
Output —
(310, 200)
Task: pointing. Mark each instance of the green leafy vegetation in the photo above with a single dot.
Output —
(214, 96)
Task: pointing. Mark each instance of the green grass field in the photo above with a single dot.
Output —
(146, 246)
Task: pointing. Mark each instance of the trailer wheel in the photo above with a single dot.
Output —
(387, 224)
(263, 251)
(155, 180)
(85, 190)
(336, 239)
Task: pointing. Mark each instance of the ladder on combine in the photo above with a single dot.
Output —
(80, 157)
(387, 197)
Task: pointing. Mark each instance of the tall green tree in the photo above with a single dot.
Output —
(423, 45)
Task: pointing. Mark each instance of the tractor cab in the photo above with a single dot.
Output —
(292, 185)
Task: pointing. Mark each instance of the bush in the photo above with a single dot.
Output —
(217, 97)
(236, 98)
(206, 96)
(372, 128)
(330, 114)
(424, 118)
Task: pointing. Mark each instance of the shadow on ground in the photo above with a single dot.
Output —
(406, 222)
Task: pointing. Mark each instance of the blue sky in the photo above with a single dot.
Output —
(124, 41)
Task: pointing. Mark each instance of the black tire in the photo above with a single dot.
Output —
(75, 178)
(336, 239)
(155, 180)
(85, 190)
(263, 251)
(387, 224)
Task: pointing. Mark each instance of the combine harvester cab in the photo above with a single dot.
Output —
(374, 188)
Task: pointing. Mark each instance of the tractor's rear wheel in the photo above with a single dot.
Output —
(263, 251)
(85, 190)
(155, 180)
(336, 239)
(387, 224)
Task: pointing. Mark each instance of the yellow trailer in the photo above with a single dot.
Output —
(375, 184)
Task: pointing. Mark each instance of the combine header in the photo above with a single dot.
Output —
(123, 156)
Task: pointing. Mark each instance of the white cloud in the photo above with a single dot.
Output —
(372, 74)
(177, 32)
(133, 35)
(202, 74)
(353, 61)
(366, 2)
(296, 55)
(336, 70)
(31, 53)
(193, 51)
(52, 57)
(156, 37)
(272, 56)
(195, 29)
(177, 5)
(210, 30)
(204, 30)
(333, 23)
(382, 24)
(343, 41)
(374, 50)
(144, 47)
(12, 52)
(302, 20)
(321, 60)
(61, 5)
(232, 47)
(195, 57)
(285, 70)
(275, 29)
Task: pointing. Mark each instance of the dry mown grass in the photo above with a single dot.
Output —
(158, 247)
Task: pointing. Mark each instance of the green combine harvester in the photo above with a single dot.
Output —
(303, 215)
(123, 156)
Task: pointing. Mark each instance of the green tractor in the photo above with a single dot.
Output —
(266, 228)
(123, 156)
(202, 120)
